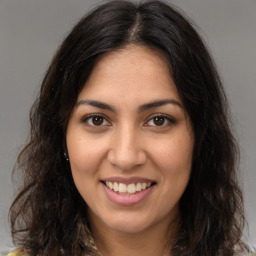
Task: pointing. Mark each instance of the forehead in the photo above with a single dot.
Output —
(134, 72)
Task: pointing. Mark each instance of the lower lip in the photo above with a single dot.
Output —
(127, 199)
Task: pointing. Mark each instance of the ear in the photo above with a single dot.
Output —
(65, 150)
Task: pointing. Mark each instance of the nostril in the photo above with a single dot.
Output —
(126, 159)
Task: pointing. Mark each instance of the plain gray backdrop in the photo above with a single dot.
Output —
(31, 30)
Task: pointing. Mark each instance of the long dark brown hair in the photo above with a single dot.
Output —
(48, 216)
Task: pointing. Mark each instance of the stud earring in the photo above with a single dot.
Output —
(66, 156)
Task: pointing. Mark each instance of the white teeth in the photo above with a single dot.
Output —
(110, 185)
(116, 187)
(127, 189)
(138, 187)
(131, 188)
(122, 188)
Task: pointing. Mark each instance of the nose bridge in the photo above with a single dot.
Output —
(126, 151)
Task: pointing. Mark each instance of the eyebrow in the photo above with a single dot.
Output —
(159, 103)
(97, 104)
(142, 108)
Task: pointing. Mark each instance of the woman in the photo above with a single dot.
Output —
(130, 150)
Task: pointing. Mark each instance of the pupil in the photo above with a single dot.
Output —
(159, 121)
(97, 120)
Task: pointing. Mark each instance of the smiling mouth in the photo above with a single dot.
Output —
(128, 189)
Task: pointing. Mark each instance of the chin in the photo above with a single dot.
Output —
(128, 223)
(128, 227)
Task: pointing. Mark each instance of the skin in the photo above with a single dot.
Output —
(126, 142)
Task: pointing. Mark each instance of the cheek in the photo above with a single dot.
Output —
(174, 153)
(173, 158)
(84, 161)
(84, 154)
(82, 164)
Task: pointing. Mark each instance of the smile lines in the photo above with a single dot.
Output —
(131, 188)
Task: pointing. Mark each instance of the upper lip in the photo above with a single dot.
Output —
(128, 180)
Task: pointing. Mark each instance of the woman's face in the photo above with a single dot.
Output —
(130, 142)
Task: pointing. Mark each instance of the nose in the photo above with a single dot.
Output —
(126, 150)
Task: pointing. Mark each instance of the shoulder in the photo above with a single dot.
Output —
(17, 252)
(247, 250)
(252, 252)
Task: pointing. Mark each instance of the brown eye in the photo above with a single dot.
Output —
(159, 120)
(97, 120)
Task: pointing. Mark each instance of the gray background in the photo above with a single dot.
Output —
(30, 32)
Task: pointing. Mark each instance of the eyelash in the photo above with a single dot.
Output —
(87, 118)
(167, 118)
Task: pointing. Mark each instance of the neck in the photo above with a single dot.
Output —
(154, 241)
